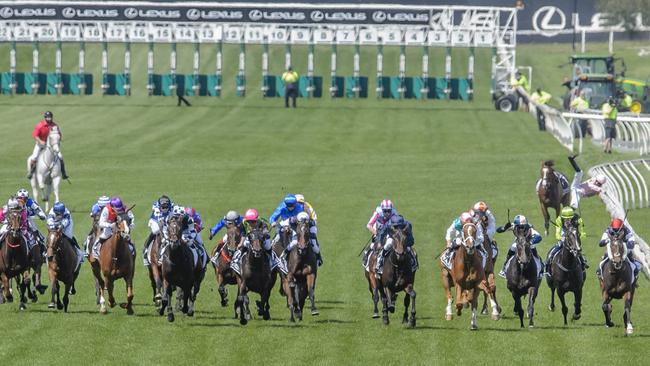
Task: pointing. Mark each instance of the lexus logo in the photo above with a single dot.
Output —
(317, 15)
(255, 15)
(6, 12)
(131, 13)
(68, 13)
(546, 22)
(193, 14)
(379, 16)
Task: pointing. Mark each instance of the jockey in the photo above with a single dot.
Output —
(159, 212)
(289, 207)
(293, 222)
(40, 134)
(108, 220)
(33, 209)
(588, 188)
(232, 218)
(567, 217)
(198, 227)
(618, 230)
(483, 215)
(380, 217)
(252, 221)
(520, 225)
(59, 217)
(97, 208)
(189, 234)
(14, 205)
(309, 209)
(454, 236)
(397, 222)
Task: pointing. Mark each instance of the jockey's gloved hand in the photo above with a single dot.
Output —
(603, 242)
(42, 216)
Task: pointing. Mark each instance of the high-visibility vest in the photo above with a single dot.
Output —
(579, 104)
(609, 112)
(290, 77)
(627, 101)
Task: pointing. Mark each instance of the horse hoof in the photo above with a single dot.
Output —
(386, 321)
(412, 323)
(170, 317)
(496, 317)
(531, 326)
(391, 308)
(609, 325)
(111, 304)
(34, 298)
(375, 315)
(129, 311)
(41, 289)
(23, 306)
(449, 317)
(59, 306)
(473, 327)
(576, 316)
(314, 312)
(484, 312)
(103, 311)
(551, 308)
(158, 303)
(190, 313)
(224, 303)
(243, 321)
(266, 315)
(73, 291)
(405, 320)
(51, 305)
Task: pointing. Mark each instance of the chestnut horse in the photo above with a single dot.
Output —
(14, 259)
(467, 274)
(222, 271)
(617, 282)
(302, 271)
(550, 192)
(115, 261)
(398, 275)
(155, 269)
(62, 266)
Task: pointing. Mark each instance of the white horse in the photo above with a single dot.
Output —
(47, 176)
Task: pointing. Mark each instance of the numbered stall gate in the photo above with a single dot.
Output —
(123, 23)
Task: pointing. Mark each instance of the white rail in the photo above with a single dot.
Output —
(632, 131)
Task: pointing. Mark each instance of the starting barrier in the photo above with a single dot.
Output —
(309, 25)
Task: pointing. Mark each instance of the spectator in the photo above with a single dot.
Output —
(580, 104)
(610, 112)
(541, 98)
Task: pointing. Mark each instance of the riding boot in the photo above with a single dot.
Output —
(63, 173)
(583, 261)
(574, 164)
(380, 262)
(502, 273)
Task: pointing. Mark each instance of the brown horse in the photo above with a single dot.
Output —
(36, 262)
(115, 261)
(489, 246)
(371, 277)
(155, 269)
(617, 282)
(550, 192)
(62, 266)
(467, 274)
(302, 271)
(14, 259)
(398, 275)
(222, 271)
(567, 274)
(278, 248)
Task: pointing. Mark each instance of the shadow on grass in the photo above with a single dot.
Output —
(335, 321)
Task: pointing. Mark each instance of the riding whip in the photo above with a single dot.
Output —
(364, 247)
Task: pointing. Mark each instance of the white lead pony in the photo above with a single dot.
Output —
(47, 176)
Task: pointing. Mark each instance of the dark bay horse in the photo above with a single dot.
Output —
(62, 266)
(371, 277)
(115, 261)
(466, 274)
(522, 278)
(222, 271)
(155, 269)
(302, 271)
(550, 192)
(278, 248)
(617, 282)
(179, 270)
(255, 276)
(398, 275)
(14, 259)
(36, 261)
(566, 273)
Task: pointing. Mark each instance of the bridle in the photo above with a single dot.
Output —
(468, 239)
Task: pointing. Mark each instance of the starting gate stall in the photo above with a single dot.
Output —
(254, 24)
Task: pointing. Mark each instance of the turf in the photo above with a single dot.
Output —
(433, 159)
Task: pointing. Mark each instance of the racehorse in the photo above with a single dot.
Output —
(278, 248)
(617, 282)
(222, 271)
(567, 274)
(467, 274)
(179, 269)
(371, 277)
(522, 278)
(255, 275)
(302, 271)
(62, 266)
(550, 192)
(490, 248)
(36, 261)
(155, 269)
(398, 275)
(14, 259)
(115, 261)
(47, 176)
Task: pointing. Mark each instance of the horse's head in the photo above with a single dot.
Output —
(15, 221)
(302, 231)
(617, 252)
(174, 231)
(54, 139)
(572, 240)
(53, 242)
(547, 174)
(255, 238)
(469, 237)
(233, 237)
(524, 251)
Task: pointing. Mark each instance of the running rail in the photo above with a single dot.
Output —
(556, 123)
(632, 131)
(626, 189)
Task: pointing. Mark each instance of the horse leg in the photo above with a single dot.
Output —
(607, 309)
(375, 301)
(577, 304)
(551, 306)
(474, 303)
(66, 297)
(55, 292)
(110, 286)
(241, 303)
(167, 302)
(223, 292)
(311, 284)
(565, 310)
(447, 286)
(264, 298)
(129, 296)
(411, 293)
(546, 217)
(459, 300)
(532, 295)
(627, 317)
(518, 308)
(407, 303)
(24, 288)
(384, 302)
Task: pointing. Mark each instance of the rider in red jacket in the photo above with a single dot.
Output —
(40, 134)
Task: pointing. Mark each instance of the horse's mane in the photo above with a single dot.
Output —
(549, 163)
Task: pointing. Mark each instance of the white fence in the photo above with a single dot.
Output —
(556, 124)
(626, 189)
(632, 131)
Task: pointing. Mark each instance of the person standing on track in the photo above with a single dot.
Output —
(610, 112)
(290, 79)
